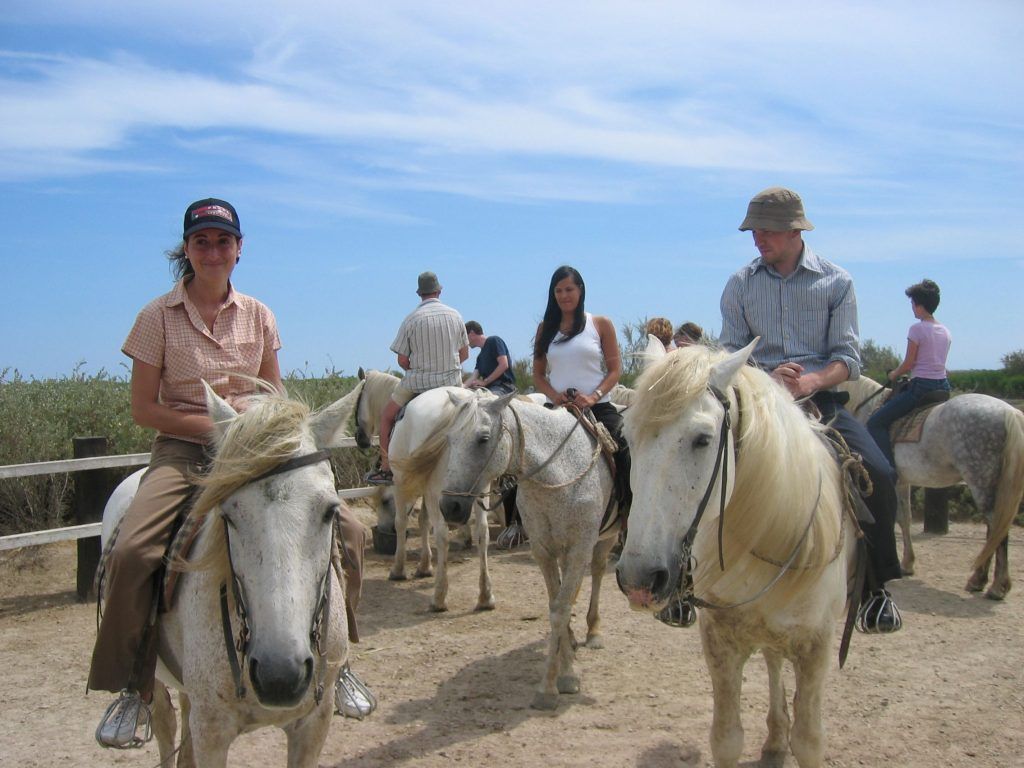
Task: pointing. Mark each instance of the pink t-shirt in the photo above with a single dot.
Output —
(933, 340)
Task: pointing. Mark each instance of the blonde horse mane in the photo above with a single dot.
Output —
(785, 473)
(376, 391)
(416, 468)
(263, 436)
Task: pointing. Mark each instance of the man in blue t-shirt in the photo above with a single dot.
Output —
(493, 364)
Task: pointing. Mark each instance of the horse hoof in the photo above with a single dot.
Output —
(995, 594)
(568, 684)
(423, 574)
(486, 606)
(973, 586)
(396, 576)
(773, 758)
(594, 643)
(907, 570)
(438, 608)
(545, 701)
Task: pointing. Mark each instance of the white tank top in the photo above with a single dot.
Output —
(578, 362)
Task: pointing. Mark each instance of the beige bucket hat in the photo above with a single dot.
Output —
(427, 283)
(776, 209)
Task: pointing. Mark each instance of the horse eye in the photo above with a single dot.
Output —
(332, 511)
(702, 440)
(484, 438)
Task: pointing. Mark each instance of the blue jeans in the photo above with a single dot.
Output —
(898, 406)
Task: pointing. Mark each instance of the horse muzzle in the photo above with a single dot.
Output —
(280, 680)
(362, 439)
(647, 587)
(456, 509)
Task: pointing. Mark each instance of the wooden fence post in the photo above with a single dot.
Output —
(936, 510)
(92, 489)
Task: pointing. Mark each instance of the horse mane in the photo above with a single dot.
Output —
(784, 468)
(376, 391)
(416, 468)
(860, 390)
(263, 436)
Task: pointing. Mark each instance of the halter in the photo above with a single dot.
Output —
(318, 629)
(517, 474)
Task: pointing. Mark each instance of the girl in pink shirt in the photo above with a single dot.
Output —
(928, 344)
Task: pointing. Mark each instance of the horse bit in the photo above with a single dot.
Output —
(318, 629)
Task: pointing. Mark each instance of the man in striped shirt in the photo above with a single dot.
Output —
(805, 311)
(431, 345)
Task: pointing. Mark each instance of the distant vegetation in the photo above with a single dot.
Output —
(39, 418)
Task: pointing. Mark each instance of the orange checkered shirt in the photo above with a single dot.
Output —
(170, 335)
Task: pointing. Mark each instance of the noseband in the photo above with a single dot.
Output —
(318, 630)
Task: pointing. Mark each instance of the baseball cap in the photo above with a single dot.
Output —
(211, 213)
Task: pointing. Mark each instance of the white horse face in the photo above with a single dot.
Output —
(279, 533)
(672, 470)
(476, 455)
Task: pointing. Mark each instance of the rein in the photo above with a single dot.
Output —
(869, 398)
(237, 648)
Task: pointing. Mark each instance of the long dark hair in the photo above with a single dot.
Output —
(553, 313)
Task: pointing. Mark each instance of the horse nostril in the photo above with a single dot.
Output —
(659, 581)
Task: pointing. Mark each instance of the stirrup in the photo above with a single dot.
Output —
(879, 614)
(351, 696)
(121, 723)
(678, 613)
(511, 537)
(379, 477)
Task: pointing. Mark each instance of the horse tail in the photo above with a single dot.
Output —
(1011, 486)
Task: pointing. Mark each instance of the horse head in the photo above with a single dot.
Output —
(679, 434)
(272, 503)
(476, 453)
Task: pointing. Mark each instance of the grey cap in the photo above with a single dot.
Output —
(776, 209)
(427, 283)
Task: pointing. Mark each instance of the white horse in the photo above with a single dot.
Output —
(972, 438)
(564, 491)
(735, 488)
(377, 389)
(419, 473)
(266, 535)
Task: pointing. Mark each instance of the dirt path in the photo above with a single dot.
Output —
(455, 688)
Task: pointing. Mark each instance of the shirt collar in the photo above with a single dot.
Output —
(808, 260)
(178, 295)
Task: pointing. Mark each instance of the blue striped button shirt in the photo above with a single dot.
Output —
(431, 337)
(808, 317)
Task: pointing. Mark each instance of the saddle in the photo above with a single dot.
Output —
(908, 429)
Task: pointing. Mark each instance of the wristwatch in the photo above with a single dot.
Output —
(598, 393)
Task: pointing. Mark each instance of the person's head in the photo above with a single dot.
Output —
(566, 297)
(925, 295)
(475, 332)
(427, 285)
(776, 218)
(687, 334)
(211, 232)
(661, 329)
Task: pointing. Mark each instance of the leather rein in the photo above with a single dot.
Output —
(237, 648)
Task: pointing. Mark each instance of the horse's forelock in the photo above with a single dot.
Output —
(668, 386)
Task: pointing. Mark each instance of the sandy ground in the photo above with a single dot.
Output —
(455, 687)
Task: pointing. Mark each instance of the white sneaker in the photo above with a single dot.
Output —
(351, 696)
(127, 723)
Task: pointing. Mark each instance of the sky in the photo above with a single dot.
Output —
(363, 143)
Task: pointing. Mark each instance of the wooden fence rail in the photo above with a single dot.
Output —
(93, 486)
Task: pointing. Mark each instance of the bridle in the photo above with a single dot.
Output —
(688, 561)
(237, 648)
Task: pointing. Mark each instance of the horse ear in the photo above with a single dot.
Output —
(654, 350)
(362, 374)
(219, 410)
(724, 371)
(330, 425)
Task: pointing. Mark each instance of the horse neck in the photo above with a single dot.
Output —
(539, 436)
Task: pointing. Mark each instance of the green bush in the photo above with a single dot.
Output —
(39, 418)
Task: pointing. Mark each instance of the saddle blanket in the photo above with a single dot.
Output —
(909, 428)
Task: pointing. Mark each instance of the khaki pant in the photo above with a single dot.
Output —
(125, 652)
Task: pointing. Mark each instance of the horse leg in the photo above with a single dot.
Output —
(425, 568)
(807, 739)
(598, 565)
(725, 660)
(210, 740)
(573, 568)
(485, 602)
(306, 736)
(903, 518)
(186, 752)
(547, 696)
(1001, 578)
(165, 723)
(979, 577)
(776, 745)
(440, 602)
(402, 510)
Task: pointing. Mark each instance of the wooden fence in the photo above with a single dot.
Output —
(93, 485)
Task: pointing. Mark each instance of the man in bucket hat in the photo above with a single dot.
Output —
(805, 311)
(431, 345)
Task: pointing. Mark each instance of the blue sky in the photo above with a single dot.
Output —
(491, 142)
